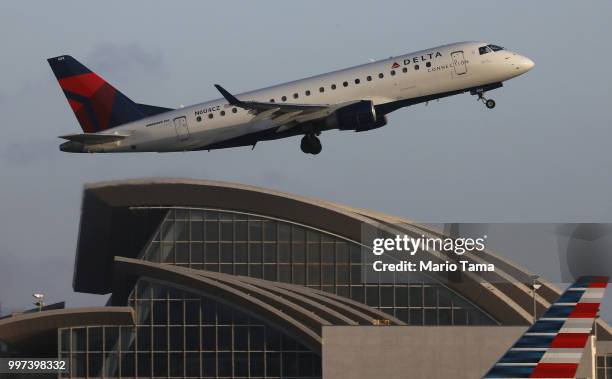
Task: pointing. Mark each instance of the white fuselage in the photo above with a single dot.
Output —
(438, 70)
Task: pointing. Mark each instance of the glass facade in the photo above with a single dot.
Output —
(604, 367)
(179, 334)
(256, 246)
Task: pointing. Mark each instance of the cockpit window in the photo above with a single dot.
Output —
(484, 49)
(489, 48)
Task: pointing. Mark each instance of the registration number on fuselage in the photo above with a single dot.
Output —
(207, 110)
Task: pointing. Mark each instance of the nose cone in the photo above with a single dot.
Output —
(526, 64)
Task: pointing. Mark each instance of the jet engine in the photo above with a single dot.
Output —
(360, 116)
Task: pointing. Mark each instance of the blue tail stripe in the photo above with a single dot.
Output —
(570, 297)
(522, 357)
(543, 326)
(510, 372)
(534, 341)
(582, 282)
(558, 311)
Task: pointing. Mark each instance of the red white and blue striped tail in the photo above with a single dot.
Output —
(553, 346)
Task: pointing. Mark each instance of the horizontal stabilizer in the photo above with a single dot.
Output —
(93, 138)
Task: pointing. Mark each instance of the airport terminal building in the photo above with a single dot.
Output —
(218, 280)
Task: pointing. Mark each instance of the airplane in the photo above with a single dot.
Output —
(355, 99)
(552, 347)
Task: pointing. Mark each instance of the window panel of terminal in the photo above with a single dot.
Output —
(179, 334)
(256, 246)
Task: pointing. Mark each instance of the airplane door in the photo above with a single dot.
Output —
(459, 62)
(182, 131)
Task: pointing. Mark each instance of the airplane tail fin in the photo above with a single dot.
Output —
(552, 347)
(96, 104)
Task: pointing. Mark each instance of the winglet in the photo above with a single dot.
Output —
(228, 96)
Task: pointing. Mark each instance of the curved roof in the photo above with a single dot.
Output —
(299, 311)
(31, 331)
(105, 213)
(106, 219)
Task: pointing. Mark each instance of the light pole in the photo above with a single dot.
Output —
(594, 345)
(534, 287)
(39, 300)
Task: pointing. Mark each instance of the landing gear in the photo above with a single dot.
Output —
(489, 103)
(310, 144)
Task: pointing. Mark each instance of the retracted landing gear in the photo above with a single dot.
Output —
(310, 144)
(489, 103)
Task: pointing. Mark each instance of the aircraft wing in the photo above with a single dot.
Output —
(284, 116)
(93, 138)
(553, 346)
(258, 107)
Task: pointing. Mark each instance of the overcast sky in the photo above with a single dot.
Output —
(541, 156)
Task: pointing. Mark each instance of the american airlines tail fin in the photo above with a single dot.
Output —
(553, 346)
(96, 104)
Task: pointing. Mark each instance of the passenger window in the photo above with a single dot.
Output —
(392, 72)
(369, 78)
(333, 86)
(272, 100)
(234, 110)
(345, 84)
(295, 95)
(210, 115)
(428, 64)
(381, 75)
(222, 113)
(199, 118)
(321, 89)
(416, 66)
(357, 81)
(307, 92)
(284, 98)
(405, 69)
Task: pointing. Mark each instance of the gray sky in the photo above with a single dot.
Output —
(541, 156)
